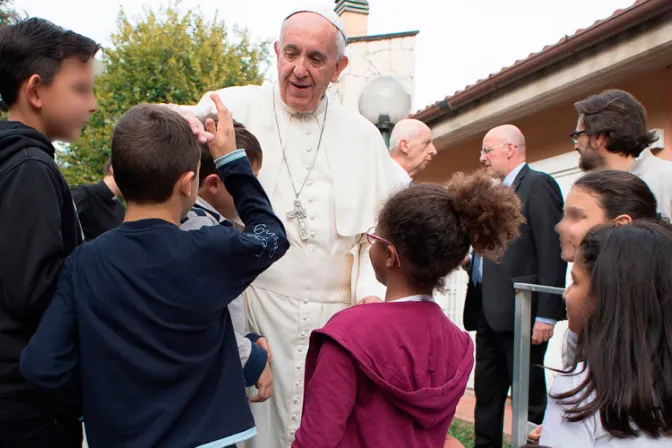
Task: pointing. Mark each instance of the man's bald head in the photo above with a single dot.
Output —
(503, 150)
(411, 145)
(507, 133)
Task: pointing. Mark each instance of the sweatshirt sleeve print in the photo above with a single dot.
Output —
(329, 399)
(263, 241)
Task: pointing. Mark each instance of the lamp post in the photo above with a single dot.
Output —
(384, 101)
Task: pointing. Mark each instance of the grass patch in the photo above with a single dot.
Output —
(464, 432)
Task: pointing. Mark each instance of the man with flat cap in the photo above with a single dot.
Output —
(327, 171)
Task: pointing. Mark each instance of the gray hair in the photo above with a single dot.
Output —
(403, 130)
(340, 40)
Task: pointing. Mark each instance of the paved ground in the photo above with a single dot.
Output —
(465, 411)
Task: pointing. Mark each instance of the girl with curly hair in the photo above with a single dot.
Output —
(392, 373)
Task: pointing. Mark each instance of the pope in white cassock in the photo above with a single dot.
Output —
(327, 171)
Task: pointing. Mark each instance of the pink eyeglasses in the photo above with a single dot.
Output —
(372, 238)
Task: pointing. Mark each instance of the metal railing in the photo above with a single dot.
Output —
(521, 358)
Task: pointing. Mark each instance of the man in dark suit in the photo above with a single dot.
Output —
(534, 257)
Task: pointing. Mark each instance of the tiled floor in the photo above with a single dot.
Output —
(465, 411)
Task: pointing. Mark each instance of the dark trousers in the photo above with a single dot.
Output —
(494, 376)
(40, 432)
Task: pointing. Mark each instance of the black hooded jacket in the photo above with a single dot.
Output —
(38, 230)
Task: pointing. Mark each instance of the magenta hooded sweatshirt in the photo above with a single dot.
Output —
(384, 375)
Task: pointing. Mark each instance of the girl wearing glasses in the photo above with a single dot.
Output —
(391, 374)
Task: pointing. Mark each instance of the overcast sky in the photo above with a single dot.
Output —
(460, 41)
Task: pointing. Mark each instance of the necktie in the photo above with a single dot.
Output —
(476, 273)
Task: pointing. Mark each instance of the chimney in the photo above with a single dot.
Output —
(355, 16)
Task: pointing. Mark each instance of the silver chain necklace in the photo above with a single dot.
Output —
(299, 213)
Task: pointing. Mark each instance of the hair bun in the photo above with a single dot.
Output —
(489, 212)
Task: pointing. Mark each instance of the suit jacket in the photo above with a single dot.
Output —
(533, 257)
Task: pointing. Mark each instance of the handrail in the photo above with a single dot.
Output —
(539, 288)
(521, 357)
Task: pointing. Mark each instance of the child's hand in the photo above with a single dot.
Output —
(263, 343)
(225, 139)
(265, 385)
(535, 435)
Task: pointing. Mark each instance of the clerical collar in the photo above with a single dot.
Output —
(281, 104)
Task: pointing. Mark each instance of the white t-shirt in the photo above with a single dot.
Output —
(558, 433)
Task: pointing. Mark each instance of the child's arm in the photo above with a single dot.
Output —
(31, 239)
(263, 241)
(51, 359)
(263, 229)
(555, 430)
(252, 356)
(329, 399)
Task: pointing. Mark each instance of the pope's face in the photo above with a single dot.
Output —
(307, 60)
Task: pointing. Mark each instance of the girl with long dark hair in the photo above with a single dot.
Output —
(617, 392)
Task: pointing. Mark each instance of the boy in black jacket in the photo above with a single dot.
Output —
(46, 79)
(141, 318)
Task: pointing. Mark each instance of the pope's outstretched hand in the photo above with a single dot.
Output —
(194, 123)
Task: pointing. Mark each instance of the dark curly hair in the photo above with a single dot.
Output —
(627, 340)
(432, 226)
(620, 117)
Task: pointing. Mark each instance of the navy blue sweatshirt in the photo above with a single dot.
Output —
(140, 325)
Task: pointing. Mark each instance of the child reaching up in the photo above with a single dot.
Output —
(391, 374)
(140, 324)
(214, 206)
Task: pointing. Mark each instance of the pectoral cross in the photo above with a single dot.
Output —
(300, 214)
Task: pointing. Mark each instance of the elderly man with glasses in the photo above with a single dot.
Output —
(534, 257)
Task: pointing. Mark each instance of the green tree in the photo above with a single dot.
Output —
(7, 13)
(167, 57)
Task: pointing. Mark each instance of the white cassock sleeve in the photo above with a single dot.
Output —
(367, 285)
(232, 97)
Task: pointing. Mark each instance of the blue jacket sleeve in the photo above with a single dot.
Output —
(51, 360)
(255, 365)
(263, 240)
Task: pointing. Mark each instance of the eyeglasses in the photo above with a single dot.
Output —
(574, 136)
(488, 150)
(372, 238)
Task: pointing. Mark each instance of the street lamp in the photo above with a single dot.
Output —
(384, 101)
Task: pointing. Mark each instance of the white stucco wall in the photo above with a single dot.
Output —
(386, 57)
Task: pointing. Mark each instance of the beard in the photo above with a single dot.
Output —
(591, 160)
